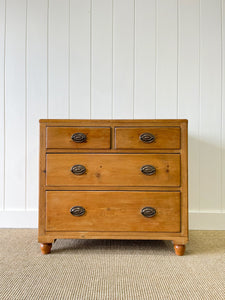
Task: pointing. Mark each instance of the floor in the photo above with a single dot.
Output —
(110, 269)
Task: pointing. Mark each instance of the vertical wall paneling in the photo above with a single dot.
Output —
(36, 90)
(166, 72)
(145, 52)
(80, 53)
(210, 110)
(2, 103)
(188, 88)
(101, 62)
(223, 107)
(115, 59)
(15, 105)
(58, 50)
(123, 59)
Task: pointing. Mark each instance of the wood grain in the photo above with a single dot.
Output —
(113, 211)
(114, 190)
(179, 249)
(116, 122)
(165, 138)
(60, 137)
(42, 179)
(50, 236)
(113, 169)
(184, 180)
(46, 248)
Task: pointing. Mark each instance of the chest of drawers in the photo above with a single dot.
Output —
(113, 179)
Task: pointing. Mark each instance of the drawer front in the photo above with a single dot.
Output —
(78, 137)
(147, 138)
(112, 211)
(113, 170)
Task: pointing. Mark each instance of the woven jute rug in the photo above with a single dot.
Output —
(111, 269)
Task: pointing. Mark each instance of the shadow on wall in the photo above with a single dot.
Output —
(206, 174)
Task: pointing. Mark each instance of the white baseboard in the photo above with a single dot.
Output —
(18, 219)
(207, 220)
(29, 219)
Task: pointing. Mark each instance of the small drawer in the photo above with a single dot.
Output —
(113, 211)
(147, 138)
(78, 137)
(113, 170)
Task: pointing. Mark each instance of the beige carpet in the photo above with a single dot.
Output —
(109, 269)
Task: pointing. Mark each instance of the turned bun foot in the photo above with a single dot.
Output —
(46, 248)
(179, 249)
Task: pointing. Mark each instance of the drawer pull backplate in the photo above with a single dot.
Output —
(148, 170)
(77, 211)
(79, 137)
(148, 212)
(147, 137)
(78, 169)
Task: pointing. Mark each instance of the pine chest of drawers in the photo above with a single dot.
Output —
(113, 179)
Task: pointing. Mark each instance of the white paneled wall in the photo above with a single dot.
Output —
(112, 59)
(36, 91)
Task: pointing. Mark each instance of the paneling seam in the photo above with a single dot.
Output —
(112, 104)
(156, 56)
(26, 109)
(134, 54)
(47, 108)
(4, 95)
(91, 60)
(222, 109)
(178, 54)
(200, 102)
(69, 59)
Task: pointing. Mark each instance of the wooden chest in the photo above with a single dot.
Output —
(113, 179)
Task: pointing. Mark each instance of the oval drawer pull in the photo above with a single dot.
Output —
(77, 211)
(147, 137)
(79, 137)
(78, 169)
(148, 212)
(148, 170)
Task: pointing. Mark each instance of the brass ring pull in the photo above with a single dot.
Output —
(78, 169)
(77, 211)
(148, 170)
(148, 212)
(147, 137)
(79, 137)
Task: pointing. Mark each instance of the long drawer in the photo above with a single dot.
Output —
(113, 170)
(112, 211)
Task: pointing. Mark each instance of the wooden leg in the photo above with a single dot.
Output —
(179, 249)
(46, 248)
